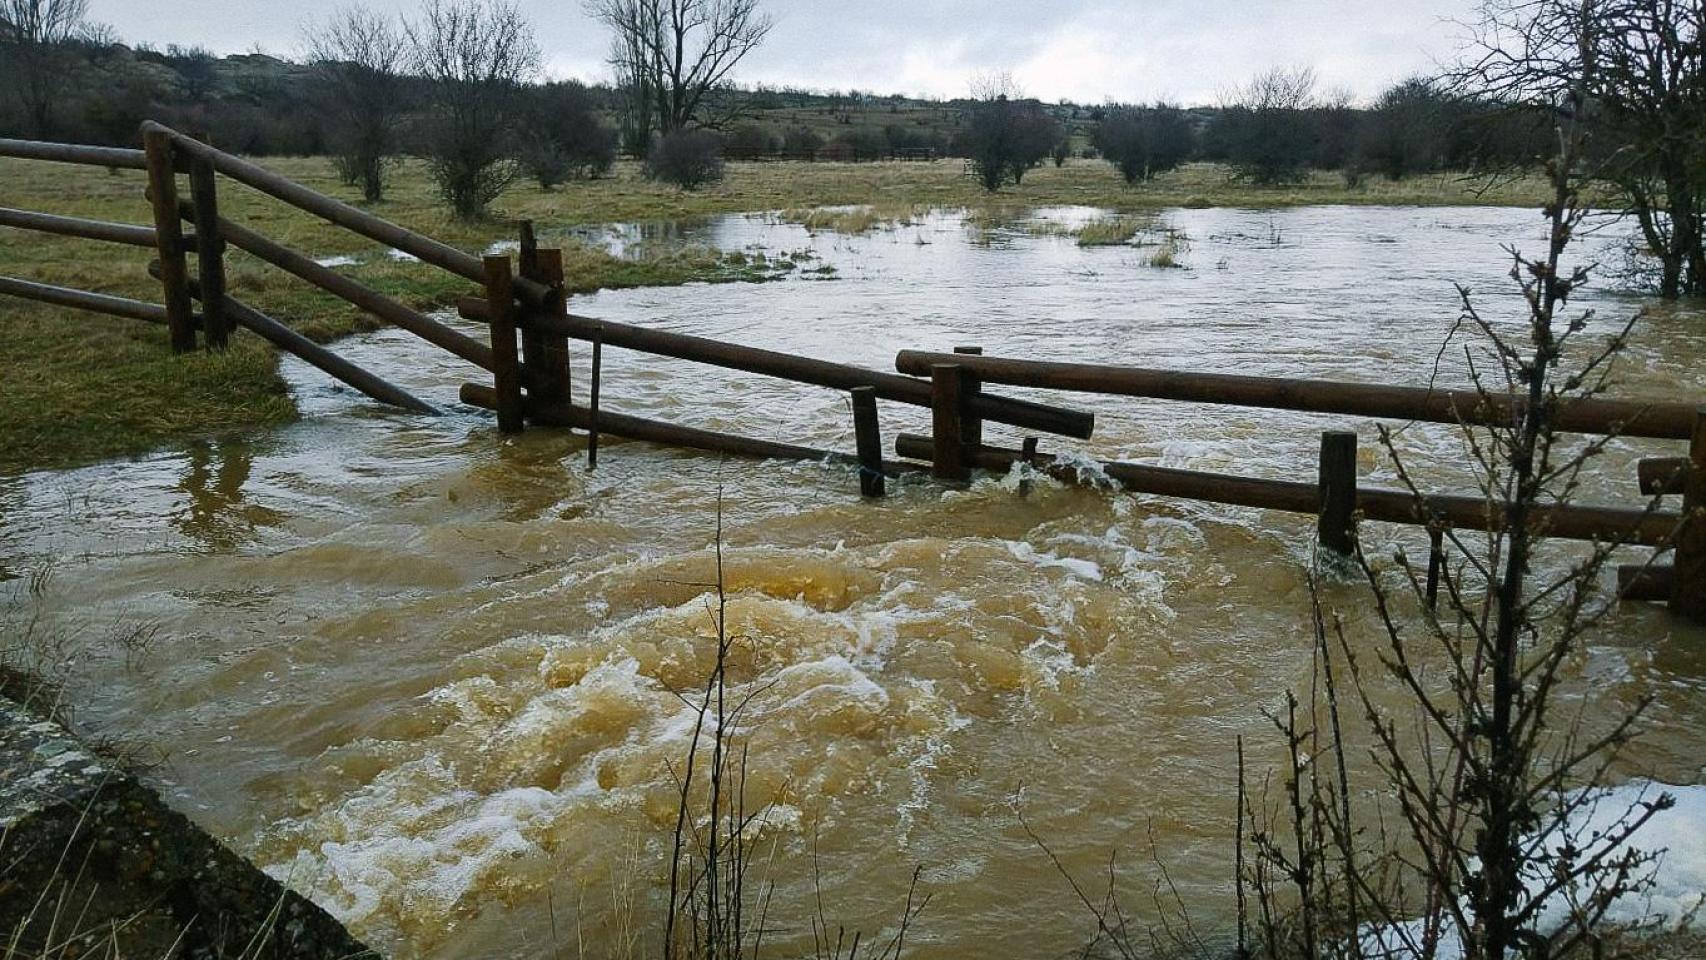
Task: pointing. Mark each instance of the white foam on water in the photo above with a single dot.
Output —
(1084, 569)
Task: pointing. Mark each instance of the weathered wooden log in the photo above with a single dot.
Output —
(323, 359)
(418, 245)
(1436, 565)
(593, 400)
(115, 157)
(947, 425)
(1639, 581)
(868, 437)
(971, 427)
(822, 373)
(314, 354)
(124, 233)
(1336, 523)
(1688, 591)
(1663, 475)
(506, 371)
(168, 239)
(545, 354)
(210, 252)
(1569, 522)
(359, 295)
(670, 434)
(83, 300)
(1633, 418)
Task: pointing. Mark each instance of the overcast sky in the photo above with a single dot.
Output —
(1085, 50)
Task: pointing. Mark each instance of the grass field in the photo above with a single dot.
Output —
(82, 387)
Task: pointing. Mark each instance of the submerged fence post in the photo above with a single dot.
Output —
(506, 367)
(947, 404)
(1027, 456)
(971, 425)
(1436, 565)
(169, 238)
(592, 411)
(210, 253)
(870, 442)
(1337, 525)
(1688, 588)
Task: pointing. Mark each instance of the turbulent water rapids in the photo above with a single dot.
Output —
(428, 672)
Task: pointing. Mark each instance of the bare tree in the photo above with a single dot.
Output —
(1006, 134)
(358, 57)
(476, 54)
(1264, 127)
(1144, 141)
(1649, 94)
(34, 35)
(1505, 840)
(673, 57)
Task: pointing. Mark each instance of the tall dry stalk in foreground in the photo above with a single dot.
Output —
(715, 910)
(1489, 852)
(712, 850)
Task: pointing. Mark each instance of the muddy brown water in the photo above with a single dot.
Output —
(424, 671)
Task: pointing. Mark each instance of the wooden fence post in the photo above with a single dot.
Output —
(210, 252)
(1688, 589)
(1336, 527)
(545, 355)
(947, 405)
(592, 409)
(1027, 456)
(971, 426)
(169, 238)
(1436, 565)
(870, 442)
(506, 366)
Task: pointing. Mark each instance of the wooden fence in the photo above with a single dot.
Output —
(523, 306)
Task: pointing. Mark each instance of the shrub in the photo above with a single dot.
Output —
(1145, 141)
(565, 139)
(1005, 138)
(749, 141)
(690, 159)
(801, 143)
(1266, 131)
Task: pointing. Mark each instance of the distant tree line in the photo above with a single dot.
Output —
(457, 83)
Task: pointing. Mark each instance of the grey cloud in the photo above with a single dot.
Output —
(1088, 50)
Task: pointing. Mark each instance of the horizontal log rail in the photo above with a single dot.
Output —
(125, 233)
(1651, 583)
(1606, 524)
(823, 373)
(418, 245)
(646, 430)
(357, 294)
(83, 300)
(1669, 421)
(294, 343)
(114, 157)
(1660, 476)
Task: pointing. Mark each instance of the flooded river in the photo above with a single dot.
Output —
(425, 671)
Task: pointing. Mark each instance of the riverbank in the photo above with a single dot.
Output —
(81, 388)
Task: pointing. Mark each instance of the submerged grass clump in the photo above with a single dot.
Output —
(855, 220)
(1109, 232)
